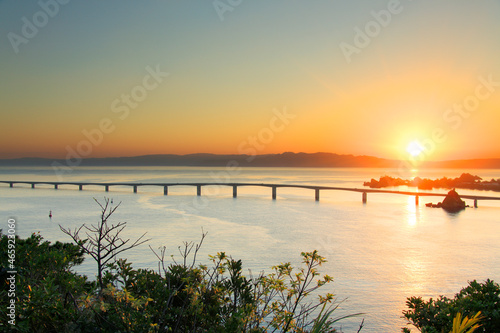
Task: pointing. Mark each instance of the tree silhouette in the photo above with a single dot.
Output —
(103, 241)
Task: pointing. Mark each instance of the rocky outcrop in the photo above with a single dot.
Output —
(465, 181)
(451, 203)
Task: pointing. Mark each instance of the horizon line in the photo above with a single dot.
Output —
(252, 155)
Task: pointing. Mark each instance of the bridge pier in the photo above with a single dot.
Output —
(274, 187)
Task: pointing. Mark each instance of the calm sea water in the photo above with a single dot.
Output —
(379, 253)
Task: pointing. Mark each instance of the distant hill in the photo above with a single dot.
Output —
(269, 160)
(490, 163)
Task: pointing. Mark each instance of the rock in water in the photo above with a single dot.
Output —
(452, 202)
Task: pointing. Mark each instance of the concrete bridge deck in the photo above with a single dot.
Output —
(235, 186)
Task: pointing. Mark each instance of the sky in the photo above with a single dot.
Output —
(127, 78)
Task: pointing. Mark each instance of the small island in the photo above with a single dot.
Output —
(465, 181)
(452, 203)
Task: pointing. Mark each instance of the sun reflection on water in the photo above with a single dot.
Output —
(416, 273)
(412, 212)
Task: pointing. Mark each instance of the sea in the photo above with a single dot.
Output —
(379, 253)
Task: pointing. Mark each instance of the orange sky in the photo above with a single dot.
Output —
(107, 79)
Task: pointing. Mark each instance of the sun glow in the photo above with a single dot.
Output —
(415, 148)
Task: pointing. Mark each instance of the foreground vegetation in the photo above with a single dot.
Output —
(181, 296)
(479, 300)
(184, 296)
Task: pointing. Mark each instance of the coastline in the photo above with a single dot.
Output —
(465, 181)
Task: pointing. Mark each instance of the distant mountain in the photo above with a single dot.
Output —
(269, 160)
(489, 163)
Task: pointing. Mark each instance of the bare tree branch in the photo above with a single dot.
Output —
(103, 242)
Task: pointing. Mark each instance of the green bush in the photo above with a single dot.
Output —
(46, 288)
(179, 297)
(436, 316)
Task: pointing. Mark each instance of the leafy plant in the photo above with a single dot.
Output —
(436, 315)
(465, 325)
(323, 323)
(47, 291)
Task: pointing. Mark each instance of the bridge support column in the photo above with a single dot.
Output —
(365, 197)
(55, 186)
(32, 185)
(235, 191)
(135, 188)
(11, 184)
(165, 190)
(475, 203)
(316, 194)
(274, 192)
(198, 190)
(416, 200)
(80, 187)
(106, 187)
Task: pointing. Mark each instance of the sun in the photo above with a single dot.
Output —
(415, 148)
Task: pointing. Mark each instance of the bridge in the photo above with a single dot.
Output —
(235, 186)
